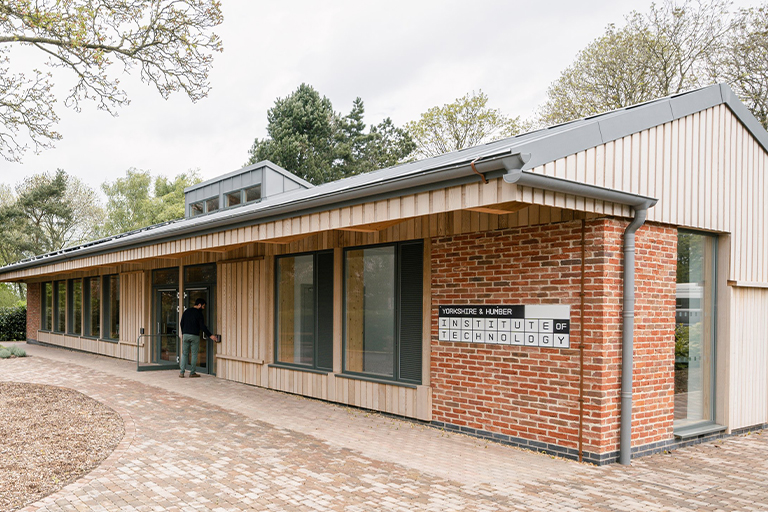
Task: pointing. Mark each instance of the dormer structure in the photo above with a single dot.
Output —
(244, 186)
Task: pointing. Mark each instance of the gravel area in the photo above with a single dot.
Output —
(49, 437)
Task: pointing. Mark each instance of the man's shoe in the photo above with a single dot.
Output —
(193, 375)
(181, 375)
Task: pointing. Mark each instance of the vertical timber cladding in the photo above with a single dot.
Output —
(543, 325)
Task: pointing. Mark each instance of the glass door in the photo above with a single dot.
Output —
(166, 347)
(205, 355)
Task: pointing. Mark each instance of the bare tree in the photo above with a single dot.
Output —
(663, 52)
(466, 122)
(744, 63)
(170, 41)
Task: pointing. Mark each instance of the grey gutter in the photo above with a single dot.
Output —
(640, 205)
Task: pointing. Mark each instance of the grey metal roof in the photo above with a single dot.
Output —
(257, 165)
(545, 145)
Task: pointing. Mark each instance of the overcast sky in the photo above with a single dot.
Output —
(400, 57)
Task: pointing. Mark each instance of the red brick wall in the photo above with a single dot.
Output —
(533, 393)
(33, 310)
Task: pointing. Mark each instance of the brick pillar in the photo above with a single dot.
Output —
(33, 310)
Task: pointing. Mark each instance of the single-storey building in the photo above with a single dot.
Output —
(596, 290)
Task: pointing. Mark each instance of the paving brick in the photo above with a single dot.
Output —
(190, 446)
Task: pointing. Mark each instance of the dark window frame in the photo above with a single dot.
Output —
(71, 303)
(106, 307)
(87, 309)
(245, 194)
(44, 306)
(400, 351)
(204, 204)
(57, 285)
(321, 362)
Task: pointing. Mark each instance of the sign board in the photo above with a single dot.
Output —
(543, 325)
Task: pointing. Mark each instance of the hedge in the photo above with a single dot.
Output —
(13, 323)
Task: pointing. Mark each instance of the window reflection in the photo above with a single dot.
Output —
(694, 329)
(370, 310)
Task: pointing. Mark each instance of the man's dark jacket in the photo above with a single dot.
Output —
(192, 322)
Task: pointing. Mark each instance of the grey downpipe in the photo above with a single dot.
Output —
(640, 204)
(627, 336)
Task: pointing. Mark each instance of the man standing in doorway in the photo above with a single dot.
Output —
(192, 324)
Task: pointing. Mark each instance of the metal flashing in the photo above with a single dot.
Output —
(745, 116)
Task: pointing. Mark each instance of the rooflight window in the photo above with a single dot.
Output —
(212, 204)
(196, 209)
(253, 194)
(234, 198)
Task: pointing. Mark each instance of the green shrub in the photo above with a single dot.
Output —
(13, 324)
(18, 351)
(5, 353)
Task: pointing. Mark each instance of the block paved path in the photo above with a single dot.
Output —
(210, 444)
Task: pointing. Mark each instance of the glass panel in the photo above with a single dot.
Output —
(694, 329)
(165, 276)
(61, 306)
(93, 318)
(211, 205)
(253, 194)
(199, 274)
(296, 310)
(76, 326)
(196, 209)
(47, 306)
(167, 324)
(233, 199)
(114, 307)
(192, 296)
(370, 311)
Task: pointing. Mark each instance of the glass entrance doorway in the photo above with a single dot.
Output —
(206, 355)
(166, 348)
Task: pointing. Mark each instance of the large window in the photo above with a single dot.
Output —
(60, 306)
(75, 306)
(305, 310)
(383, 311)
(47, 307)
(112, 307)
(92, 306)
(695, 329)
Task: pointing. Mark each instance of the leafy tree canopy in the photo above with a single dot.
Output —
(50, 211)
(170, 41)
(466, 122)
(46, 212)
(138, 200)
(312, 141)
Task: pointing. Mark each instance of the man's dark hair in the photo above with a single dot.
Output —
(200, 301)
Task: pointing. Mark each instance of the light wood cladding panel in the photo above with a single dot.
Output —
(241, 319)
(748, 358)
(132, 310)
